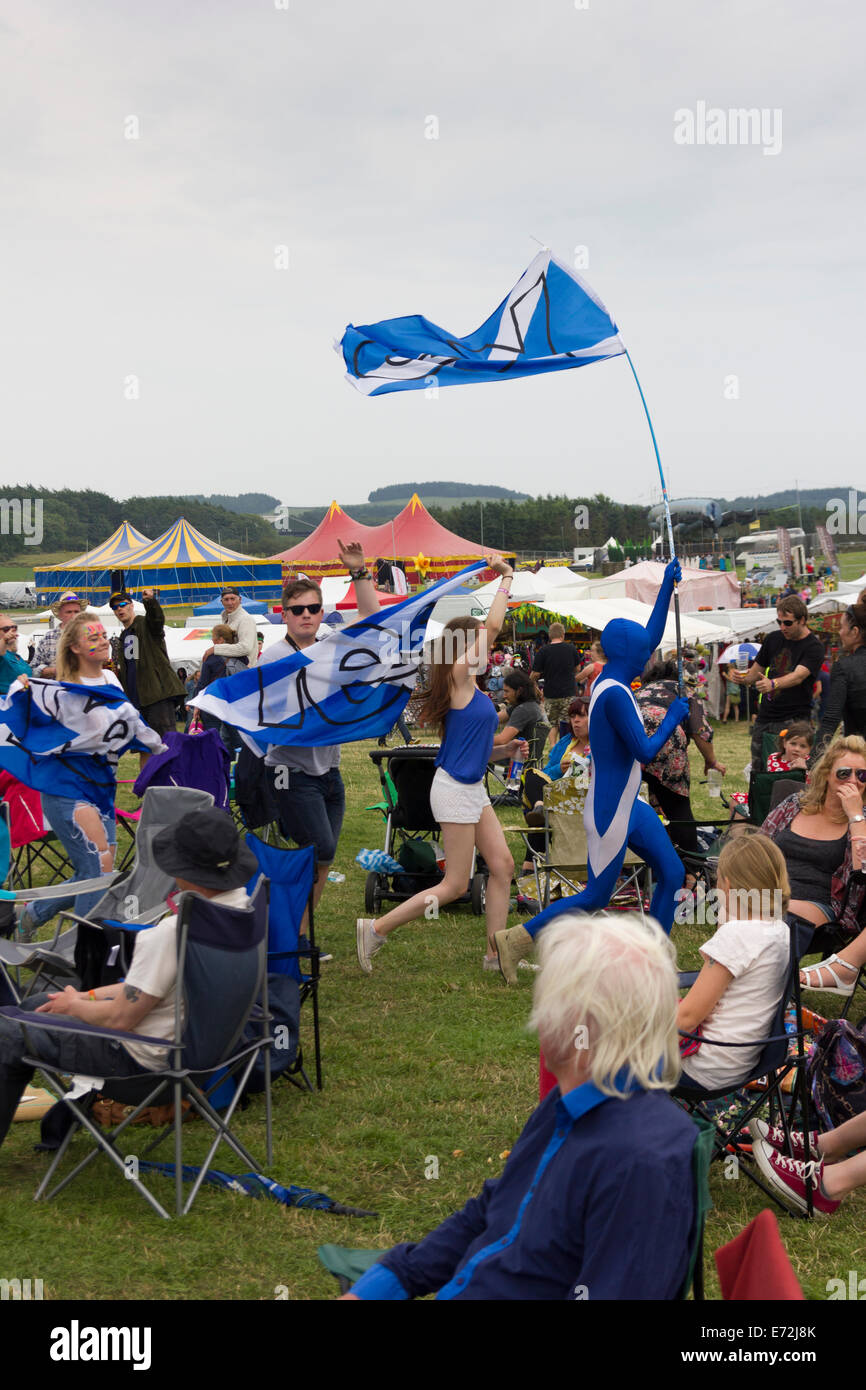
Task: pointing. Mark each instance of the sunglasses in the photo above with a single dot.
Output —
(13, 627)
(296, 609)
(787, 622)
(116, 607)
(843, 773)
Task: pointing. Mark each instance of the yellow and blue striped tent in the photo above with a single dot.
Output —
(182, 565)
(90, 574)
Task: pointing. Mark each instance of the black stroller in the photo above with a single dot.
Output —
(406, 775)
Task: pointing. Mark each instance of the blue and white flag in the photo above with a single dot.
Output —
(549, 322)
(351, 685)
(64, 739)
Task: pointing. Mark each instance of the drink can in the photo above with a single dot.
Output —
(514, 771)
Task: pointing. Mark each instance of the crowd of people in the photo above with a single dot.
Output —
(608, 1147)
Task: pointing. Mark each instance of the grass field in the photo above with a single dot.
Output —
(427, 1058)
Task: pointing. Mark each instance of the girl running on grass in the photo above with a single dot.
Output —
(469, 724)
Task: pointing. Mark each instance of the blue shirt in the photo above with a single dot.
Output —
(595, 1201)
(468, 739)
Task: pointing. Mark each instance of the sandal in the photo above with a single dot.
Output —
(845, 990)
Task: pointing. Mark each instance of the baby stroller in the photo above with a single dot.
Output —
(406, 775)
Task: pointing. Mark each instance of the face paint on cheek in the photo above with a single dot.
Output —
(94, 637)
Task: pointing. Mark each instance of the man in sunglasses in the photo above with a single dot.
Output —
(784, 671)
(141, 660)
(307, 784)
(11, 664)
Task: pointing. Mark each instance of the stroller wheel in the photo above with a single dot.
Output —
(478, 893)
(372, 893)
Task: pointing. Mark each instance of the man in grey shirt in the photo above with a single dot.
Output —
(307, 784)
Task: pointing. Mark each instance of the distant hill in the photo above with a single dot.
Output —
(247, 503)
(809, 497)
(442, 493)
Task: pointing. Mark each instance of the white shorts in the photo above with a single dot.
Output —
(456, 803)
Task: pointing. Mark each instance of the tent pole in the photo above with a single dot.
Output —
(667, 507)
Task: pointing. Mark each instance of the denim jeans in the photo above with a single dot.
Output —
(311, 809)
(73, 1052)
(83, 855)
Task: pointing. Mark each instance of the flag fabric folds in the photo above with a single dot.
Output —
(64, 739)
(551, 321)
(353, 684)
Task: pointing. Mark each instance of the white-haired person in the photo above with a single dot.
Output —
(596, 1199)
(746, 961)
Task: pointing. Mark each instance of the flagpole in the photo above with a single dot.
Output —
(667, 508)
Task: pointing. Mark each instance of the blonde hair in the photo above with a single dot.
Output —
(608, 981)
(755, 870)
(555, 630)
(68, 661)
(812, 799)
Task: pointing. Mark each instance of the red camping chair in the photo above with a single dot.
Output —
(33, 841)
(754, 1266)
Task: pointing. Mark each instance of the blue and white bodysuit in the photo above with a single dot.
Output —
(615, 819)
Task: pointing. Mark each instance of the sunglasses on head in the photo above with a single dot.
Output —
(296, 609)
(843, 773)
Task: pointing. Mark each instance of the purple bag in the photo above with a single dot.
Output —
(836, 1072)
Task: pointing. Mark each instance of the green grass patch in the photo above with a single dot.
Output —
(426, 1058)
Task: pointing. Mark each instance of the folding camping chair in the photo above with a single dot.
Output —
(221, 973)
(536, 738)
(564, 854)
(775, 1063)
(135, 897)
(292, 875)
(34, 843)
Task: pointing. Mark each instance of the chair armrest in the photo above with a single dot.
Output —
(60, 1023)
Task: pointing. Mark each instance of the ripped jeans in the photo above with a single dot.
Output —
(89, 839)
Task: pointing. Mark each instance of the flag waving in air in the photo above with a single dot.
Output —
(549, 322)
(352, 684)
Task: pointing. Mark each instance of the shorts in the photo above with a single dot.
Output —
(556, 709)
(161, 716)
(456, 803)
(310, 808)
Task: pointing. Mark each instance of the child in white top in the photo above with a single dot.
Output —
(737, 991)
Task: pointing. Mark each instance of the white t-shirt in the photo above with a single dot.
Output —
(757, 954)
(154, 971)
(107, 678)
(313, 761)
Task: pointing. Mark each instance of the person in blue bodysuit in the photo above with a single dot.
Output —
(614, 818)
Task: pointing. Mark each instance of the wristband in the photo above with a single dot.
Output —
(362, 573)
(90, 994)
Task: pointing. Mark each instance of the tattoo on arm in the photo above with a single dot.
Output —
(131, 993)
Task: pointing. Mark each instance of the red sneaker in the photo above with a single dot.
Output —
(775, 1137)
(789, 1176)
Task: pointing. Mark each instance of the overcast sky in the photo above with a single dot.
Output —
(261, 127)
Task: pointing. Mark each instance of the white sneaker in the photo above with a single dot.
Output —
(367, 941)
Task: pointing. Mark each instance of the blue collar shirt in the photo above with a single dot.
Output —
(596, 1201)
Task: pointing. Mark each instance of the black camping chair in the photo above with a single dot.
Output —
(500, 793)
(775, 1064)
(221, 973)
(406, 776)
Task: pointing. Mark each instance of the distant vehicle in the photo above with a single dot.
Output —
(690, 514)
(17, 595)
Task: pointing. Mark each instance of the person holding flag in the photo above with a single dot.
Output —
(459, 803)
(90, 735)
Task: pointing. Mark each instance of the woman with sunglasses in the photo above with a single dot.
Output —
(822, 833)
(846, 700)
(11, 664)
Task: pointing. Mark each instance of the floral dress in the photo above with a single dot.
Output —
(671, 765)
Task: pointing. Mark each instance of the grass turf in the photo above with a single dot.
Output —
(430, 1075)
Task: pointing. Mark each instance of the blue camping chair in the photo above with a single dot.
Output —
(221, 974)
(292, 874)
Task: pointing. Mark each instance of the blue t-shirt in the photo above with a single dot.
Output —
(468, 741)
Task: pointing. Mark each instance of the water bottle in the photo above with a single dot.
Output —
(514, 771)
(742, 660)
(714, 782)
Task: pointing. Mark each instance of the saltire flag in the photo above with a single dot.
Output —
(351, 685)
(64, 739)
(552, 320)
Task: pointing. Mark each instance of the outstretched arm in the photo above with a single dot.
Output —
(656, 626)
(623, 718)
